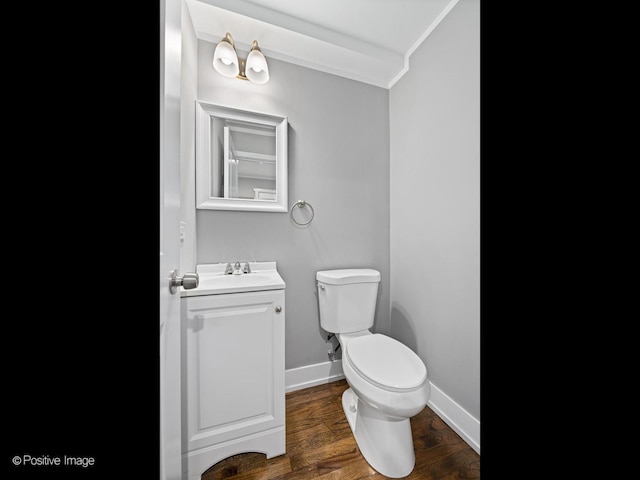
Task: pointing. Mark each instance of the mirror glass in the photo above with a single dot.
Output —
(241, 159)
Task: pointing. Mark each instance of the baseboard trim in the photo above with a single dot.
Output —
(461, 421)
(312, 375)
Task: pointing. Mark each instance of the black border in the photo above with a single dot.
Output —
(81, 356)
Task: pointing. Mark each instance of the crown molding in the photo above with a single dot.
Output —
(303, 43)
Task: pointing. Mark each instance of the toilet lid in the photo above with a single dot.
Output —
(385, 362)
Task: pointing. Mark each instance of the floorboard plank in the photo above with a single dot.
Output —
(305, 458)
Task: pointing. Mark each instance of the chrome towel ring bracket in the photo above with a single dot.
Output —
(301, 204)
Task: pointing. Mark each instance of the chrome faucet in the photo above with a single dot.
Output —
(235, 268)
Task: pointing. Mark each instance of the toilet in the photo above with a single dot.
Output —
(387, 381)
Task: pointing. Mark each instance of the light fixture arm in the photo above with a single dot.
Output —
(229, 38)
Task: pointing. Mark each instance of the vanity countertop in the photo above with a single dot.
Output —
(214, 281)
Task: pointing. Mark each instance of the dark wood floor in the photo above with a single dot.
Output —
(320, 445)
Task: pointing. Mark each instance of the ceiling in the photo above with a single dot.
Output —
(365, 40)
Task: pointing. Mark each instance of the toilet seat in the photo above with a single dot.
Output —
(386, 363)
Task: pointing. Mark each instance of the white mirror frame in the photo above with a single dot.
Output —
(205, 112)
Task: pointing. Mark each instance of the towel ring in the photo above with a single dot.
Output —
(301, 204)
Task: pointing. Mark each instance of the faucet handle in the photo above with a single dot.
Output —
(229, 269)
(246, 268)
(236, 266)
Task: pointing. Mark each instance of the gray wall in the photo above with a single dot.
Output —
(435, 205)
(338, 162)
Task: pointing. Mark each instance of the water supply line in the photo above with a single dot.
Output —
(332, 351)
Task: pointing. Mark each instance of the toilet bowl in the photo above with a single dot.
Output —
(387, 381)
(378, 404)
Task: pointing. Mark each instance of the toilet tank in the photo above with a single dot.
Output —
(347, 299)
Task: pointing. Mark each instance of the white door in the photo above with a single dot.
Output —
(170, 421)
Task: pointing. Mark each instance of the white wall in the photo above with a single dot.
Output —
(435, 205)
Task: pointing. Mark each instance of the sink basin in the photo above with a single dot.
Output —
(213, 280)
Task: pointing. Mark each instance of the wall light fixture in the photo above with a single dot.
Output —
(227, 64)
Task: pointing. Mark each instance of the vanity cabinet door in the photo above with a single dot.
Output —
(234, 366)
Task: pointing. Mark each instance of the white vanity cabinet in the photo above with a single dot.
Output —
(233, 376)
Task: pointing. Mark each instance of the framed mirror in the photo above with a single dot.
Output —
(241, 159)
